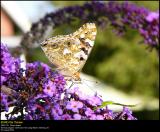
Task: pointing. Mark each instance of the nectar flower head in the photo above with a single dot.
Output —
(152, 16)
(74, 105)
(8, 63)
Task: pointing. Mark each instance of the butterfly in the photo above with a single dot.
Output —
(70, 52)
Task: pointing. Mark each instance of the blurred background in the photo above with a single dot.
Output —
(128, 71)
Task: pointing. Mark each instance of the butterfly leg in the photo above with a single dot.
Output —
(71, 85)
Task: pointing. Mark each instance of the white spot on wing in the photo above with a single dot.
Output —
(91, 43)
(66, 51)
(77, 55)
(93, 33)
(82, 36)
(77, 42)
(80, 54)
(75, 62)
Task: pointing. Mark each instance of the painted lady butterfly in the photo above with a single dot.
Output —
(70, 52)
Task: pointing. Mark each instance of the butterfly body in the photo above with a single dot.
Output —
(70, 52)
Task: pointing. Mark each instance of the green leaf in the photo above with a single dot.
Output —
(105, 103)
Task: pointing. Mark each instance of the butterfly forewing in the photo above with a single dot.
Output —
(70, 52)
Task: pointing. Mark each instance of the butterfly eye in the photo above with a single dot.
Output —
(54, 46)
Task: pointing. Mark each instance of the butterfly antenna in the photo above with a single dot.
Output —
(71, 84)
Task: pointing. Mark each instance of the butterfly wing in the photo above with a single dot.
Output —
(86, 34)
(70, 52)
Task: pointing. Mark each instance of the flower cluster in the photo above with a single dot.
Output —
(42, 94)
(151, 31)
(145, 21)
(4, 102)
(8, 63)
(117, 15)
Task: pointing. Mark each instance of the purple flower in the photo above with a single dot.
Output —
(74, 105)
(94, 101)
(77, 116)
(39, 93)
(99, 117)
(3, 79)
(76, 91)
(108, 115)
(66, 117)
(57, 110)
(50, 89)
(28, 117)
(89, 112)
(126, 114)
(152, 16)
(73, 90)
(92, 117)
(4, 102)
(8, 63)
(96, 117)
